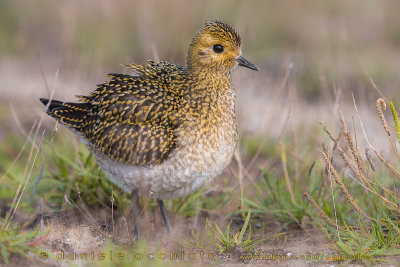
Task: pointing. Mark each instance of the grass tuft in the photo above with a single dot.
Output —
(15, 241)
(227, 241)
(374, 231)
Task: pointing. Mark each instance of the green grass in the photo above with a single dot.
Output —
(191, 205)
(396, 120)
(70, 163)
(358, 237)
(276, 195)
(14, 241)
(270, 196)
(227, 241)
(93, 39)
(370, 242)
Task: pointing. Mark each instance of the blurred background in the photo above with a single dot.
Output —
(335, 48)
(314, 56)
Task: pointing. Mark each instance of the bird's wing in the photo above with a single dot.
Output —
(133, 117)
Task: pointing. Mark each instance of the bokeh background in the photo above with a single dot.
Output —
(315, 57)
(336, 48)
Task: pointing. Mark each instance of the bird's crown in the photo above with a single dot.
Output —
(221, 31)
(215, 46)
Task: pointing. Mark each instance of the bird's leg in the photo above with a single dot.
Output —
(135, 211)
(164, 214)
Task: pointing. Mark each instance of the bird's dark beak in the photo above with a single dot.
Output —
(245, 63)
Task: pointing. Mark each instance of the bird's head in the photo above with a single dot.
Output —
(216, 47)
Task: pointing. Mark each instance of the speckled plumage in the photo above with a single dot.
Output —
(165, 129)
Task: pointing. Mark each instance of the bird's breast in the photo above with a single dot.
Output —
(209, 134)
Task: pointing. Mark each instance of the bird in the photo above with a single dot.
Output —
(163, 130)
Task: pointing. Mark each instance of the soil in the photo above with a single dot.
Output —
(72, 233)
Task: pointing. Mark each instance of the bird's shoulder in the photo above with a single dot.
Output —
(152, 93)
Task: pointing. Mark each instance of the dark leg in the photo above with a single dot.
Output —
(164, 214)
(135, 211)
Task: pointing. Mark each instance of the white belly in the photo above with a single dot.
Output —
(187, 168)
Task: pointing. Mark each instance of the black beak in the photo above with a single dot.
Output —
(245, 63)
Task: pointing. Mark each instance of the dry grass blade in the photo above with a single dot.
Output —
(380, 103)
(387, 164)
(349, 163)
(341, 185)
(19, 154)
(354, 153)
(321, 212)
(371, 80)
(285, 172)
(88, 216)
(393, 170)
(18, 195)
(240, 166)
(295, 219)
(342, 154)
(368, 155)
(18, 123)
(359, 162)
(342, 122)
(327, 131)
(55, 130)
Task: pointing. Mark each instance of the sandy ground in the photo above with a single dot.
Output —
(70, 236)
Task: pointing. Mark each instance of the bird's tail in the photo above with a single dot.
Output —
(70, 114)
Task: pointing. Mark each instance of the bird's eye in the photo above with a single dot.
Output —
(218, 48)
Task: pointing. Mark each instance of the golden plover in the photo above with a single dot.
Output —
(165, 129)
